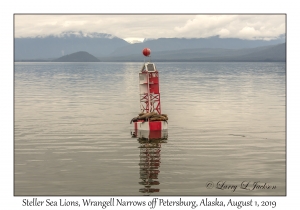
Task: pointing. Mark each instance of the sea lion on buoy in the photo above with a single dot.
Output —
(142, 116)
(134, 119)
(146, 116)
(152, 116)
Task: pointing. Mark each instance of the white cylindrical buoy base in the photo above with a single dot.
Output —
(151, 126)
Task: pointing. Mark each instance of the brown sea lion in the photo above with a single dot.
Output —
(154, 119)
(152, 116)
(146, 116)
(134, 119)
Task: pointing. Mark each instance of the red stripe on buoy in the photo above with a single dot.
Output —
(155, 125)
(135, 127)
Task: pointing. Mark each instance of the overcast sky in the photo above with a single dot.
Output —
(138, 27)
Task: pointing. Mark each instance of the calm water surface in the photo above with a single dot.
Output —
(226, 126)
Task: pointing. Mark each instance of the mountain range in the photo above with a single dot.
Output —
(110, 48)
(271, 53)
(52, 47)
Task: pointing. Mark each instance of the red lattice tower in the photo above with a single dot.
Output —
(149, 88)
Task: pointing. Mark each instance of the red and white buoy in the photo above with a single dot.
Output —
(149, 96)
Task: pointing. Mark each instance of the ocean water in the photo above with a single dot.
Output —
(226, 136)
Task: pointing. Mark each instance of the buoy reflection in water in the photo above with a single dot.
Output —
(150, 160)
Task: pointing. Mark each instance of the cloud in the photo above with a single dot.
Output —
(234, 26)
(154, 26)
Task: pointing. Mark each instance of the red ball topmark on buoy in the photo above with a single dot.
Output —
(146, 52)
